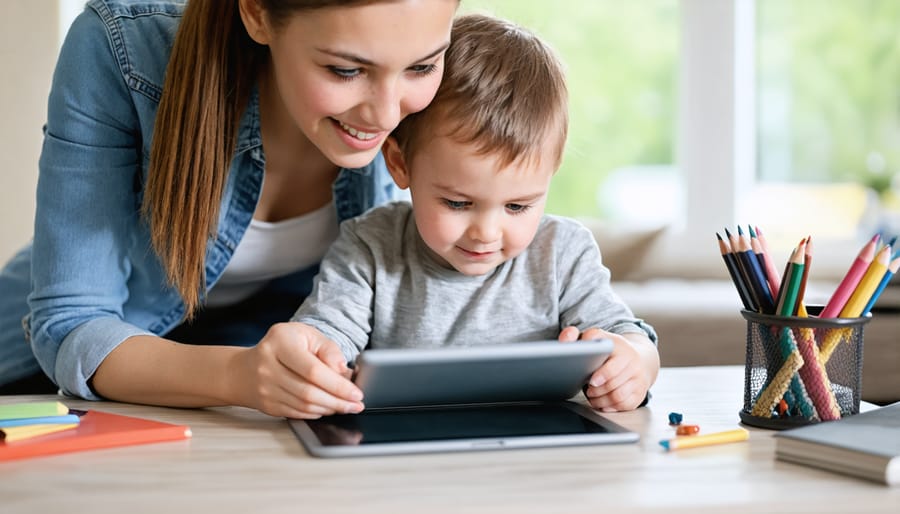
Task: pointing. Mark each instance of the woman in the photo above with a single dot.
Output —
(194, 170)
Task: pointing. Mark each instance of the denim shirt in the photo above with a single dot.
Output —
(95, 280)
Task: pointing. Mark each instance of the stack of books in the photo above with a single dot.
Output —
(34, 429)
(20, 421)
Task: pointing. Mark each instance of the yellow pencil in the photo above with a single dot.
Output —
(693, 441)
(867, 284)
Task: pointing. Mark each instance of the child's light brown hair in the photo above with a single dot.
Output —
(503, 90)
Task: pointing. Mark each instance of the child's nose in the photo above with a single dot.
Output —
(484, 229)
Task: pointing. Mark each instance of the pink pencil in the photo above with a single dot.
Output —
(851, 280)
(772, 275)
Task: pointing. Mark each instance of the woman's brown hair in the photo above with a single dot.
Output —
(210, 74)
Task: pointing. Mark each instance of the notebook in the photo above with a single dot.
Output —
(865, 445)
(468, 398)
(95, 430)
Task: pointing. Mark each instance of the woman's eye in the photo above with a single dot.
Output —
(344, 73)
(423, 69)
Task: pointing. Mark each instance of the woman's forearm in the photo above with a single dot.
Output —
(155, 371)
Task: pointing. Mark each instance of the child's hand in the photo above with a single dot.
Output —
(623, 380)
(295, 372)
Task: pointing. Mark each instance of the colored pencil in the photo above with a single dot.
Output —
(867, 284)
(892, 269)
(787, 277)
(757, 249)
(840, 296)
(734, 272)
(755, 274)
(771, 270)
(807, 261)
(695, 441)
(791, 285)
(813, 372)
(745, 274)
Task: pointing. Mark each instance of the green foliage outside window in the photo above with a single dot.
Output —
(620, 58)
(829, 90)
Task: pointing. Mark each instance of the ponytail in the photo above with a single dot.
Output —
(208, 81)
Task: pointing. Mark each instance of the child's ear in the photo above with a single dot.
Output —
(396, 164)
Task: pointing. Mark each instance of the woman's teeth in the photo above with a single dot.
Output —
(358, 134)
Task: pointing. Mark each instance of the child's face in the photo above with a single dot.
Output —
(346, 76)
(471, 213)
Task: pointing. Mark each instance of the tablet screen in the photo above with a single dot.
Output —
(458, 428)
(452, 423)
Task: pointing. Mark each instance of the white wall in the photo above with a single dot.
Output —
(30, 30)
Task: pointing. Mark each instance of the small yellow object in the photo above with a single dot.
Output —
(13, 434)
(693, 441)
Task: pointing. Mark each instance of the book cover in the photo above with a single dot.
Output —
(12, 434)
(96, 430)
(865, 445)
(66, 419)
(32, 410)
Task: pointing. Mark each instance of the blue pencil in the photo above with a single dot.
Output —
(755, 274)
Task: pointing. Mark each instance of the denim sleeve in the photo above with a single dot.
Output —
(87, 211)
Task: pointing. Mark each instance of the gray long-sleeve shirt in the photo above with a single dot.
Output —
(379, 287)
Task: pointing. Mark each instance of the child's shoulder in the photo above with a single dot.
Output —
(555, 228)
(388, 214)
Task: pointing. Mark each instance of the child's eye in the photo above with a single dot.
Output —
(456, 205)
(517, 208)
(344, 73)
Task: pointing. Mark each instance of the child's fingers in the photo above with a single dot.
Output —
(568, 334)
(625, 397)
(592, 334)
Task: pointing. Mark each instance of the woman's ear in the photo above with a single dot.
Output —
(396, 164)
(254, 17)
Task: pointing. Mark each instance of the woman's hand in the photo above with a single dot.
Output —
(622, 382)
(295, 372)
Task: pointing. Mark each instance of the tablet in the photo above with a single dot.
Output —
(457, 428)
(545, 371)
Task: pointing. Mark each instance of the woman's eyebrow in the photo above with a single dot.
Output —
(362, 60)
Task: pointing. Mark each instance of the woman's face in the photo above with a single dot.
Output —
(346, 76)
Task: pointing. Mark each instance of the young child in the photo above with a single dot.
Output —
(474, 260)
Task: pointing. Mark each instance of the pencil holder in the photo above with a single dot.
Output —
(801, 370)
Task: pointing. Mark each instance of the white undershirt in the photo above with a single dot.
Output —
(270, 250)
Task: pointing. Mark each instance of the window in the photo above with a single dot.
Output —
(829, 115)
(621, 64)
(701, 114)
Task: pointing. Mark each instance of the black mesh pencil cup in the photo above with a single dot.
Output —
(801, 370)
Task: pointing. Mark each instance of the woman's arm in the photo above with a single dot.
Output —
(294, 371)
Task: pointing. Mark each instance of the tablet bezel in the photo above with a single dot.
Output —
(533, 371)
(611, 433)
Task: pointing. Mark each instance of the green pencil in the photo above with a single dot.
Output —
(792, 287)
